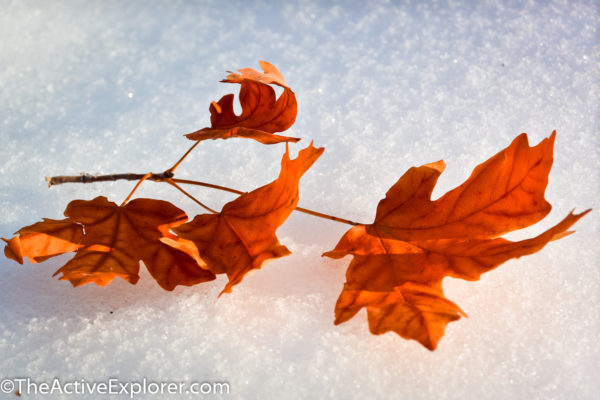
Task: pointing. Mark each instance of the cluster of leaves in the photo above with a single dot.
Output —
(110, 240)
(398, 262)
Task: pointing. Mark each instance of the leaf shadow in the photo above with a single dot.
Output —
(30, 291)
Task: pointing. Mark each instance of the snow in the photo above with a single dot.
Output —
(106, 87)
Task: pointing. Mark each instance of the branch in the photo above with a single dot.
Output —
(168, 176)
(86, 178)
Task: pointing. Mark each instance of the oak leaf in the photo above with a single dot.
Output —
(263, 113)
(110, 241)
(400, 259)
(242, 236)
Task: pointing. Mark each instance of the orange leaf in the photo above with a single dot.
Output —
(242, 236)
(117, 238)
(503, 194)
(414, 240)
(262, 113)
(43, 240)
(270, 75)
(411, 310)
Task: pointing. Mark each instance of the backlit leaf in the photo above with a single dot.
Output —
(263, 113)
(242, 236)
(416, 241)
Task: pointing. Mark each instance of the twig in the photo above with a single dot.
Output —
(168, 177)
(86, 178)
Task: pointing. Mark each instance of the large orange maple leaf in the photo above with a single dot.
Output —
(242, 236)
(401, 258)
(262, 113)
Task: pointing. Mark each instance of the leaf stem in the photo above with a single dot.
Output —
(174, 167)
(170, 182)
(168, 177)
(137, 185)
(326, 216)
(300, 209)
(208, 185)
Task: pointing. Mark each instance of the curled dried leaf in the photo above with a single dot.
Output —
(263, 113)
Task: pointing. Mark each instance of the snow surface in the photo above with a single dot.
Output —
(107, 86)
